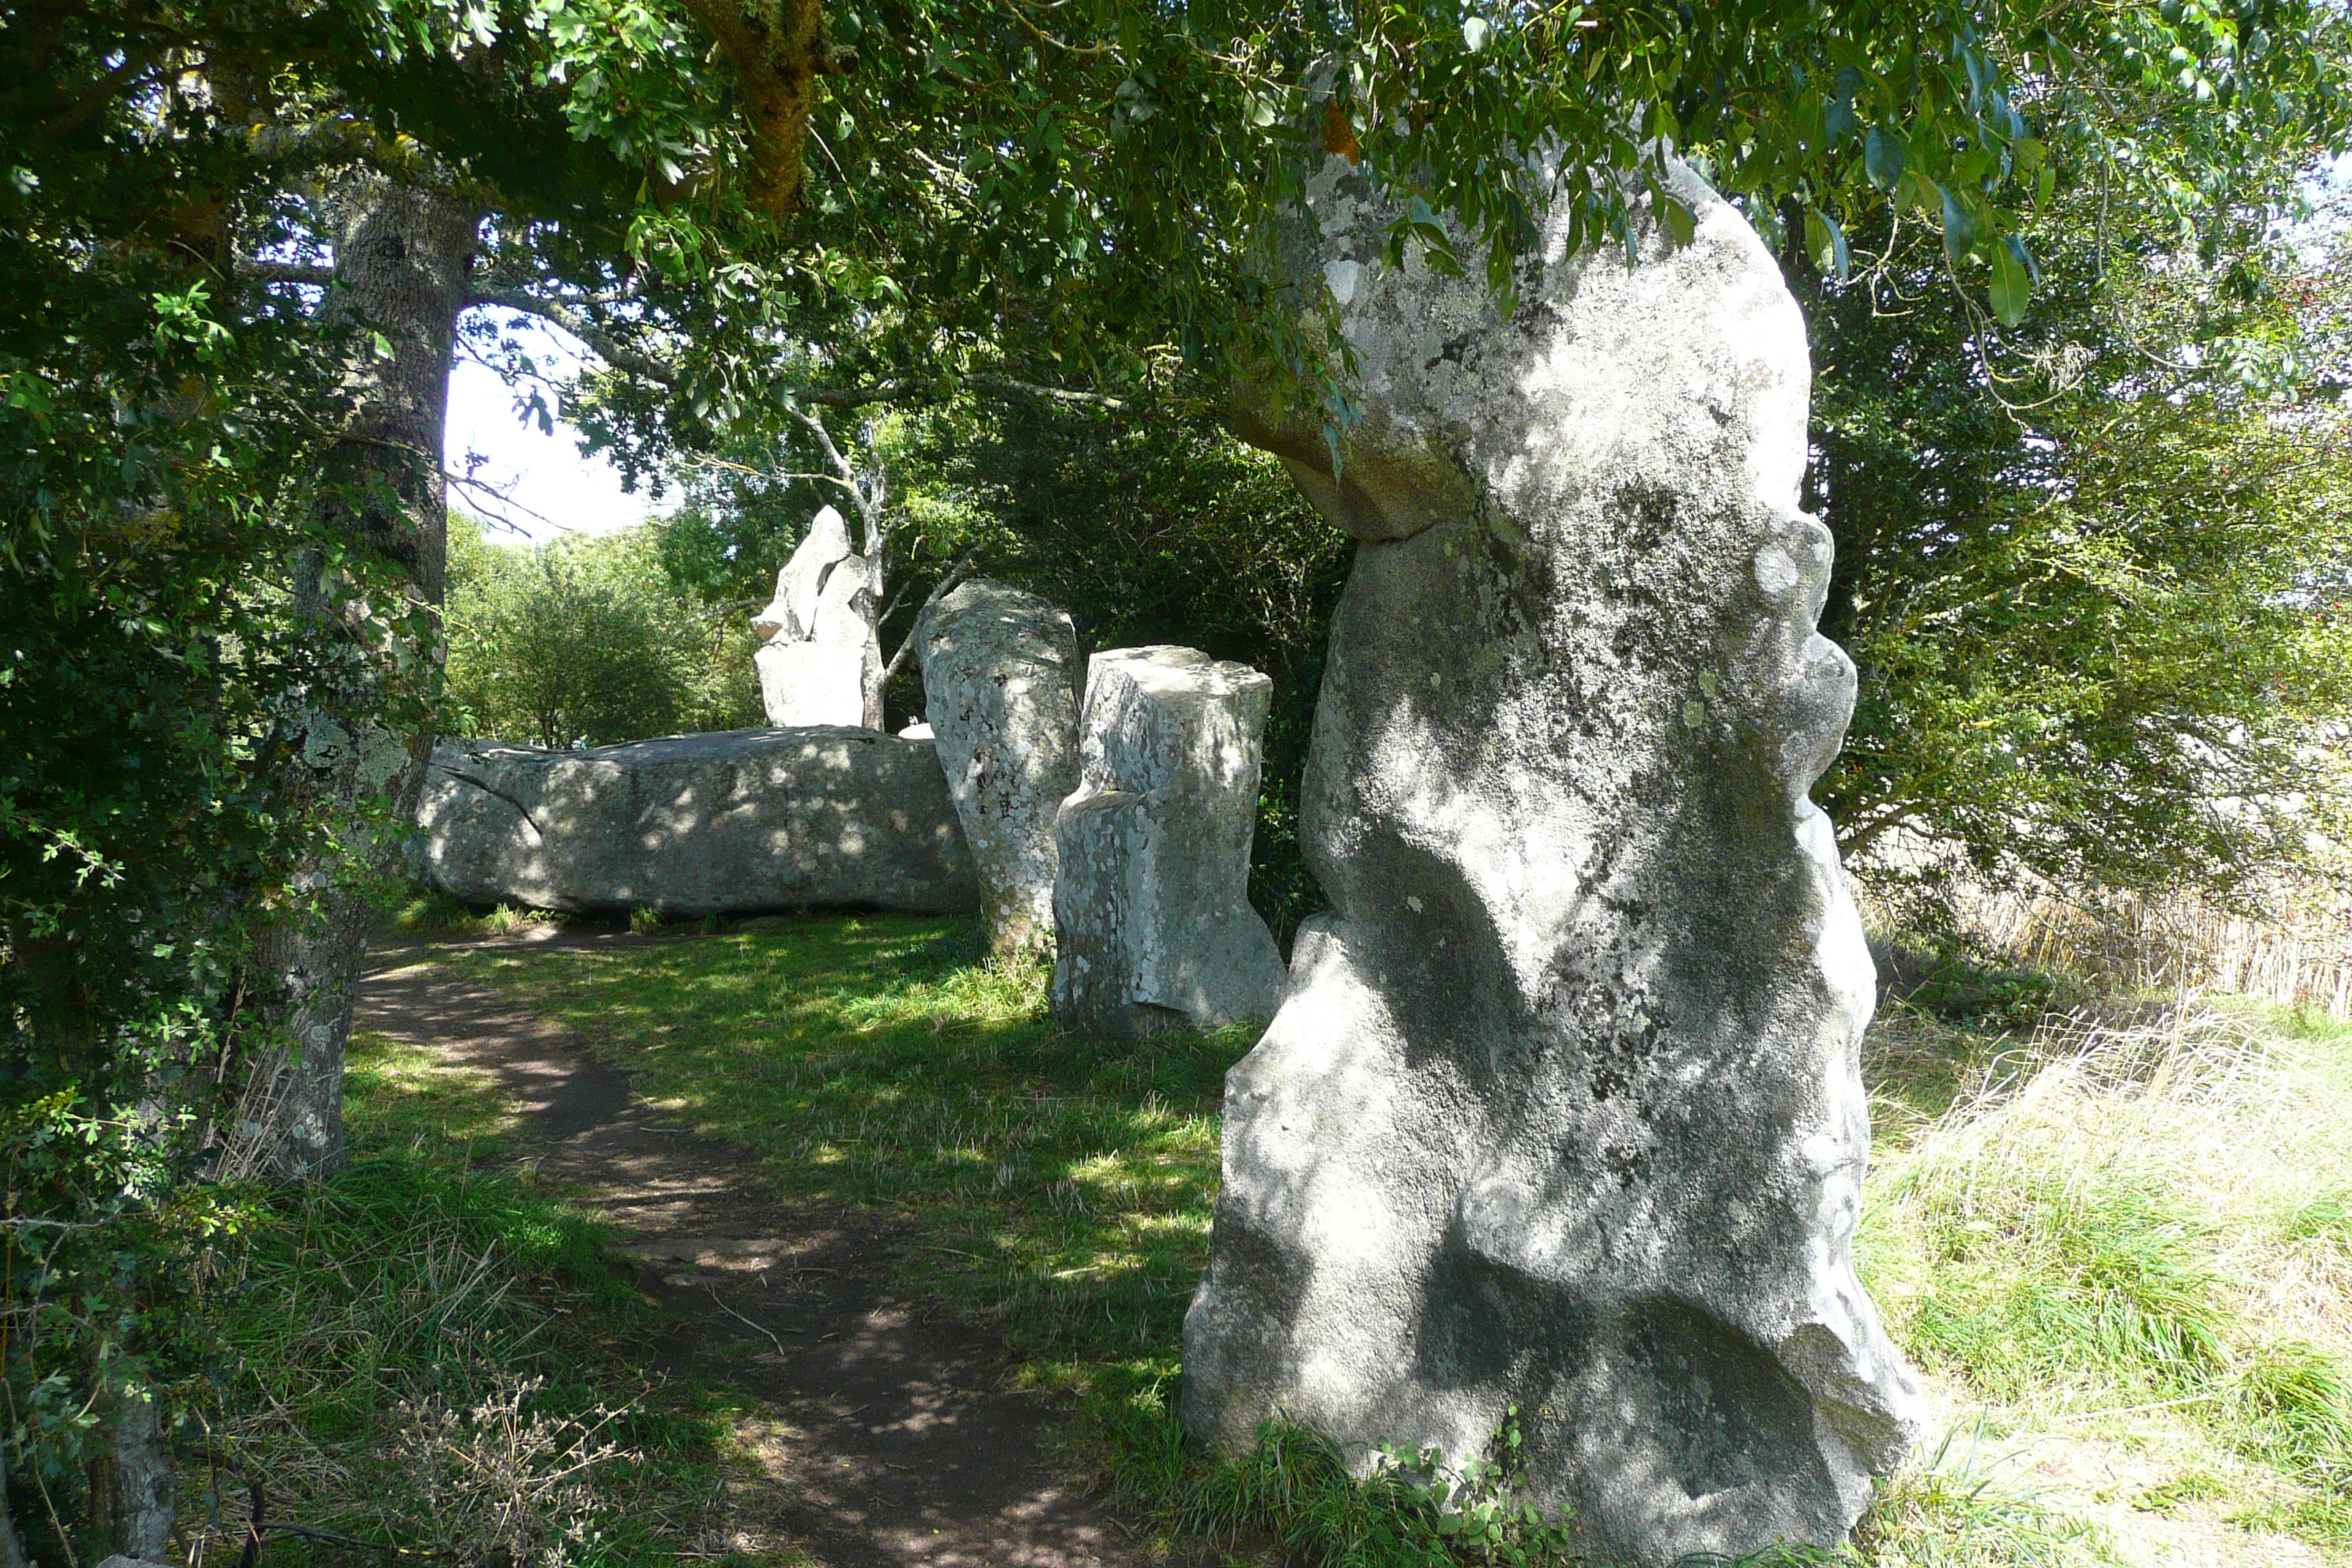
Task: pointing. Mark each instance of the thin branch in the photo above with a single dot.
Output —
(956, 574)
(285, 272)
(842, 465)
(704, 460)
(1005, 383)
(315, 144)
(857, 397)
(128, 74)
(746, 1322)
(608, 348)
(912, 391)
(1075, 51)
(311, 1532)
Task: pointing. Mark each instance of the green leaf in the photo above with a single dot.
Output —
(1825, 243)
(1883, 157)
(1959, 226)
(2012, 281)
(1682, 225)
(1475, 31)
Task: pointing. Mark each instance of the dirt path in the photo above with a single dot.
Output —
(894, 1440)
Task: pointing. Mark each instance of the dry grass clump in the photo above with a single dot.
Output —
(2129, 1227)
(2294, 947)
(503, 1486)
(2286, 938)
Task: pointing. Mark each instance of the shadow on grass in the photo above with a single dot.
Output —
(426, 1349)
(1059, 1187)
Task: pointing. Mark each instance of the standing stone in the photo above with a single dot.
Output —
(1563, 1109)
(1151, 916)
(1000, 690)
(821, 650)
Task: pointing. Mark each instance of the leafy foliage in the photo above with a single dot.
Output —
(2094, 572)
(195, 635)
(1082, 196)
(582, 641)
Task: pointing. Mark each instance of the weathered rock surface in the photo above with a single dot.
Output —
(1563, 1109)
(1151, 915)
(807, 683)
(1001, 693)
(735, 822)
(821, 653)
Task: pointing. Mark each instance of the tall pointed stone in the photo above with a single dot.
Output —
(1563, 1109)
(1000, 692)
(821, 650)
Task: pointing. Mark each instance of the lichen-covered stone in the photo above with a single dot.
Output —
(1151, 916)
(731, 822)
(1001, 693)
(820, 653)
(1563, 1108)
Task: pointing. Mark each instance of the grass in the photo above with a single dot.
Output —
(2128, 1232)
(1058, 1187)
(2118, 1246)
(439, 915)
(429, 1351)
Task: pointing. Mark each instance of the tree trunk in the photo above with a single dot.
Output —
(11, 1545)
(130, 1486)
(362, 734)
(877, 668)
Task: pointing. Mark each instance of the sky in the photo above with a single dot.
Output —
(537, 485)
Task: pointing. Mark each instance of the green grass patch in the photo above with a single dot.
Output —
(1061, 1187)
(2034, 1284)
(439, 915)
(429, 1351)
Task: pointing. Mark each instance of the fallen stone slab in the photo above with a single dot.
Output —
(1152, 923)
(1001, 694)
(730, 823)
(1563, 1109)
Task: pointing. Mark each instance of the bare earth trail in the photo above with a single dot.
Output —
(893, 1438)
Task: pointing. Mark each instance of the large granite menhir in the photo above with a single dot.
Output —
(737, 821)
(1000, 692)
(1563, 1109)
(1152, 923)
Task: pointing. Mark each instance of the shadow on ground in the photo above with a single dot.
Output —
(895, 1438)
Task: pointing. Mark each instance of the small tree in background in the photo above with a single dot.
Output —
(585, 641)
